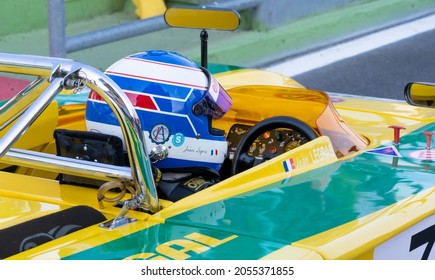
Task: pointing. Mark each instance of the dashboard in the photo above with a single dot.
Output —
(269, 144)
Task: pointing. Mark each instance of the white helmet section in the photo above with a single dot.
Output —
(164, 87)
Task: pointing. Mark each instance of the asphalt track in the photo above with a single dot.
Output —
(379, 64)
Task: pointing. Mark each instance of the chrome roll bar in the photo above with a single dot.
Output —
(52, 76)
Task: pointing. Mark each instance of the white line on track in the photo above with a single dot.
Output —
(314, 60)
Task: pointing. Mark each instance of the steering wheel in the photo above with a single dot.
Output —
(242, 160)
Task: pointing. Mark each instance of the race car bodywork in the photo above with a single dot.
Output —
(360, 187)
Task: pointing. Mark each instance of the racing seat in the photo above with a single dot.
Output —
(88, 146)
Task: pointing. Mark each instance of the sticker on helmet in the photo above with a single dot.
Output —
(178, 139)
(159, 134)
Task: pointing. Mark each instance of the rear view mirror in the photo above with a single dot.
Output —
(420, 94)
(202, 18)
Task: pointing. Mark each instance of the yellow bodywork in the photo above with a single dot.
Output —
(25, 197)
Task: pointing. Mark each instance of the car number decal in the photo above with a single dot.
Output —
(415, 243)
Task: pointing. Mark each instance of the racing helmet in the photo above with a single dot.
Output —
(175, 100)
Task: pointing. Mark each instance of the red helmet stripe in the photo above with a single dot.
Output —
(138, 100)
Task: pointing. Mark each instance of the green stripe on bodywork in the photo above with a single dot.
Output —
(147, 240)
(286, 211)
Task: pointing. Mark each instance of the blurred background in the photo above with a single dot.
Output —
(270, 29)
(99, 32)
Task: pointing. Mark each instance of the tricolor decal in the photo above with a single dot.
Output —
(288, 165)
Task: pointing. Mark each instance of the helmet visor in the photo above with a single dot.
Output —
(216, 101)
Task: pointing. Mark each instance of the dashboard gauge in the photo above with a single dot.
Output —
(269, 144)
(291, 145)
